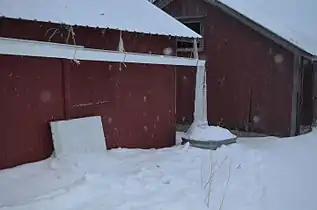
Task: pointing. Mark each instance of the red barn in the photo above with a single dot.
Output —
(260, 58)
(65, 59)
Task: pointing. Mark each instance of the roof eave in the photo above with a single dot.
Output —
(162, 3)
(194, 36)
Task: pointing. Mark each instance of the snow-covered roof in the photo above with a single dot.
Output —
(293, 20)
(126, 15)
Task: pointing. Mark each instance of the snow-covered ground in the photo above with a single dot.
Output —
(258, 174)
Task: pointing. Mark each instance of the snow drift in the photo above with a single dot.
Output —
(256, 173)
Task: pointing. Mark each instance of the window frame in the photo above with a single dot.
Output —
(200, 42)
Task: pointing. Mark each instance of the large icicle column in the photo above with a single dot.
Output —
(200, 111)
(200, 130)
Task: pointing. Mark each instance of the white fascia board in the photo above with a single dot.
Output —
(36, 49)
(161, 59)
(21, 47)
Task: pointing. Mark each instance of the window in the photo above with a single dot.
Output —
(186, 44)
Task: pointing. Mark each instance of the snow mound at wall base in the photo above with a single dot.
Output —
(209, 133)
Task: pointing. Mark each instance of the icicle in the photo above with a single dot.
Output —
(121, 49)
(200, 112)
(200, 115)
(71, 33)
(205, 113)
(121, 45)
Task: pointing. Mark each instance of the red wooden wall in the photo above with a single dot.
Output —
(30, 95)
(136, 101)
(249, 77)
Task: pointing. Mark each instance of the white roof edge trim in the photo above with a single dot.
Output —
(21, 47)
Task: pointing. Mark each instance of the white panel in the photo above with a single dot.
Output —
(78, 136)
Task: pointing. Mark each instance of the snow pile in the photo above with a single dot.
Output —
(209, 133)
(119, 180)
(254, 174)
(264, 173)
